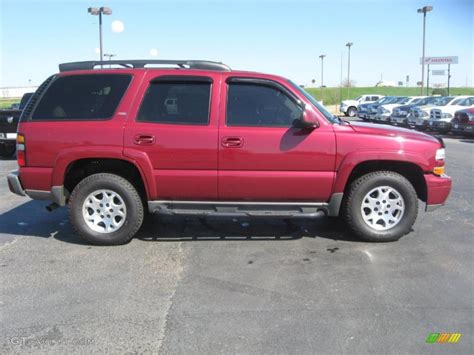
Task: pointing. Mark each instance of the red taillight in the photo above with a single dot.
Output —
(20, 150)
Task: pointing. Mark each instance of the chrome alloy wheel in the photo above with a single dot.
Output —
(104, 211)
(382, 208)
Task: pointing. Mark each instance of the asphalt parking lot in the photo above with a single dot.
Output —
(225, 286)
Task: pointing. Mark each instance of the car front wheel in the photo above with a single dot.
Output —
(106, 209)
(381, 206)
(352, 112)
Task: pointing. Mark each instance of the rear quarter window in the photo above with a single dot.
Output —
(82, 97)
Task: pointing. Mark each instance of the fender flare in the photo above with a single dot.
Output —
(351, 160)
(68, 156)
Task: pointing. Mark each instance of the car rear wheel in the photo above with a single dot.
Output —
(106, 209)
(351, 111)
(381, 206)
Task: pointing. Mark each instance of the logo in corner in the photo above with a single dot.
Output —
(443, 338)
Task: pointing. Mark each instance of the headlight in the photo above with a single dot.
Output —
(440, 154)
(447, 115)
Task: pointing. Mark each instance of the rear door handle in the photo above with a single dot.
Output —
(232, 142)
(144, 139)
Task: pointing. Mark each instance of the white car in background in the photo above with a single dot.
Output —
(419, 116)
(384, 112)
(440, 117)
(349, 107)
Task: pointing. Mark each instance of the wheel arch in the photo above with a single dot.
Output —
(79, 169)
(411, 171)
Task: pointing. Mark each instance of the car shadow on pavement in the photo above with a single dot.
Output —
(32, 220)
(172, 229)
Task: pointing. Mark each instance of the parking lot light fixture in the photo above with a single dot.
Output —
(322, 73)
(110, 57)
(423, 11)
(349, 45)
(98, 11)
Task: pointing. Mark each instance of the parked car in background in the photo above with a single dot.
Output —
(463, 122)
(349, 107)
(441, 117)
(8, 125)
(384, 112)
(364, 109)
(400, 113)
(419, 115)
(373, 108)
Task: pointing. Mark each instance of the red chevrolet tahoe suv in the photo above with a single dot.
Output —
(197, 138)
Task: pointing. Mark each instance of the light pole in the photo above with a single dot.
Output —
(322, 74)
(110, 57)
(349, 45)
(99, 11)
(423, 11)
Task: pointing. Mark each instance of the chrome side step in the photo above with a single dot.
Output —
(239, 209)
(248, 208)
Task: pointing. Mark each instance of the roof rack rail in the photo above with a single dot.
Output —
(185, 64)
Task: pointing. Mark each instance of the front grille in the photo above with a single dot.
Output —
(461, 117)
(34, 99)
(435, 114)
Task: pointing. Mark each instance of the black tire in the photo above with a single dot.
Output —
(352, 203)
(133, 203)
(7, 150)
(351, 111)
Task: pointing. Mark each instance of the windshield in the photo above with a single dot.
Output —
(358, 98)
(464, 101)
(404, 100)
(321, 108)
(419, 101)
(442, 101)
(384, 100)
(428, 100)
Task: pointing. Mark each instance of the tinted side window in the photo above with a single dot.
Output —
(259, 105)
(176, 102)
(82, 97)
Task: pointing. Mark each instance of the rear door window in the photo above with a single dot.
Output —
(176, 101)
(82, 97)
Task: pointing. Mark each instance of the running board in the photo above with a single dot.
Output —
(239, 209)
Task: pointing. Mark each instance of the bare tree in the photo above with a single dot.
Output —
(346, 83)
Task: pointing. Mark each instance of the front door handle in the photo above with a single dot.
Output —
(144, 139)
(232, 142)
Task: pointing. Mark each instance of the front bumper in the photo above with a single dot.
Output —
(7, 137)
(384, 117)
(438, 189)
(399, 120)
(462, 128)
(57, 194)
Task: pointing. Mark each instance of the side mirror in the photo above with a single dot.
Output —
(306, 121)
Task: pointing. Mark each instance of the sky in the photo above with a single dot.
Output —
(281, 37)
